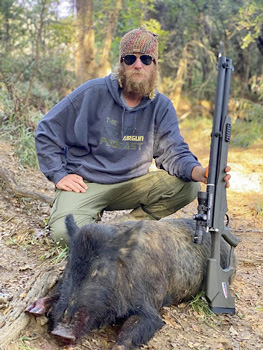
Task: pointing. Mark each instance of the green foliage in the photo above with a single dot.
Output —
(56, 254)
(249, 20)
(37, 53)
(259, 211)
(155, 26)
(34, 53)
(200, 306)
(200, 128)
(22, 137)
(134, 14)
(25, 147)
(6, 104)
(24, 340)
(256, 85)
(247, 128)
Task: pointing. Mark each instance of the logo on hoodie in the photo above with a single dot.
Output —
(133, 138)
(133, 145)
(121, 137)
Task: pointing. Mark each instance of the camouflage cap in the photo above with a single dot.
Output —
(139, 41)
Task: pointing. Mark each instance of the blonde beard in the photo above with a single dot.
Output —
(129, 83)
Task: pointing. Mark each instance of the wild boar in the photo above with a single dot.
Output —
(126, 271)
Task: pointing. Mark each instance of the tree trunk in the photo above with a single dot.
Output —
(180, 76)
(104, 65)
(85, 62)
(85, 66)
(176, 95)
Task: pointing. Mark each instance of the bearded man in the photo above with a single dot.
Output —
(98, 143)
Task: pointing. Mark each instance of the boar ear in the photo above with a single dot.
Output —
(128, 240)
(71, 226)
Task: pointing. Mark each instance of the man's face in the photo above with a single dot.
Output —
(138, 77)
(138, 70)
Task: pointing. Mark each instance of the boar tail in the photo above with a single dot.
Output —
(71, 226)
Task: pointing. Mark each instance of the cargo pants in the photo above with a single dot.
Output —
(157, 193)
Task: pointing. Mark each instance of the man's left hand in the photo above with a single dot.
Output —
(200, 174)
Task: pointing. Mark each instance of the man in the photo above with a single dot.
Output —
(98, 143)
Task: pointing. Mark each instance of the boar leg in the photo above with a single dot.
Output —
(138, 329)
(67, 332)
(64, 334)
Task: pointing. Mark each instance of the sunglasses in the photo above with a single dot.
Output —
(130, 59)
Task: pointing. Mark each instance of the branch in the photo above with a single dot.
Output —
(11, 183)
(15, 320)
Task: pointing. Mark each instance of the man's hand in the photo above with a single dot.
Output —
(200, 174)
(72, 182)
(228, 176)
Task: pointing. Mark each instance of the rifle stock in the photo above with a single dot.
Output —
(212, 204)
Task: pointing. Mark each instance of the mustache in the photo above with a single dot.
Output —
(135, 72)
(129, 83)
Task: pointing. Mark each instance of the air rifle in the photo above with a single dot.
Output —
(212, 204)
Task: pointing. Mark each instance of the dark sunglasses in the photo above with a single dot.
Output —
(130, 59)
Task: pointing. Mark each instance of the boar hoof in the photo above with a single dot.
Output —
(38, 308)
(64, 334)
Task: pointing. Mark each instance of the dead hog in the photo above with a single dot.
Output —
(126, 271)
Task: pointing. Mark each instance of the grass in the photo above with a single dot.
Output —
(23, 139)
(247, 126)
(56, 254)
(23, 340)
(200, 307)
(199, 128)
(25, 148)
(259, 208)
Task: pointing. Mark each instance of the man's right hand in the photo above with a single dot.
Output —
(72, 183)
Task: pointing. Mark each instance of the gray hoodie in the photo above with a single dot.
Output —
(93, 134)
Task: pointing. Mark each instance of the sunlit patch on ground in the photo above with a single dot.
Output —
(244, 182)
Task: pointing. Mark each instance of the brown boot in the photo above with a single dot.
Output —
(140, 214)
(135, 215)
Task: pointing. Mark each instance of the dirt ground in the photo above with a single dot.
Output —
(25, 248)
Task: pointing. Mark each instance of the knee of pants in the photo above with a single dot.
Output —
(59, 232)
(191, 191)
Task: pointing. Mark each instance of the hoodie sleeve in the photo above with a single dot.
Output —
(51, 139)
(171, 152)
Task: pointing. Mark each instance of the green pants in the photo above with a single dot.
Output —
(157, 193)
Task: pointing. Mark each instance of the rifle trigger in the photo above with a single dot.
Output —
(227, 220)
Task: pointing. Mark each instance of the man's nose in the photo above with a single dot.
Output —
(138, 63)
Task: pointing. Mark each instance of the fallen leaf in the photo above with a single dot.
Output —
(8, 309)
(195, 328)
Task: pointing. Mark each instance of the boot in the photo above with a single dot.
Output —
(135, 215)
(140, 214)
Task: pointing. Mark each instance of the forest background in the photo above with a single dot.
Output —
(49, 47)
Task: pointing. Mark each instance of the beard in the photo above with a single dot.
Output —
(137, 82)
